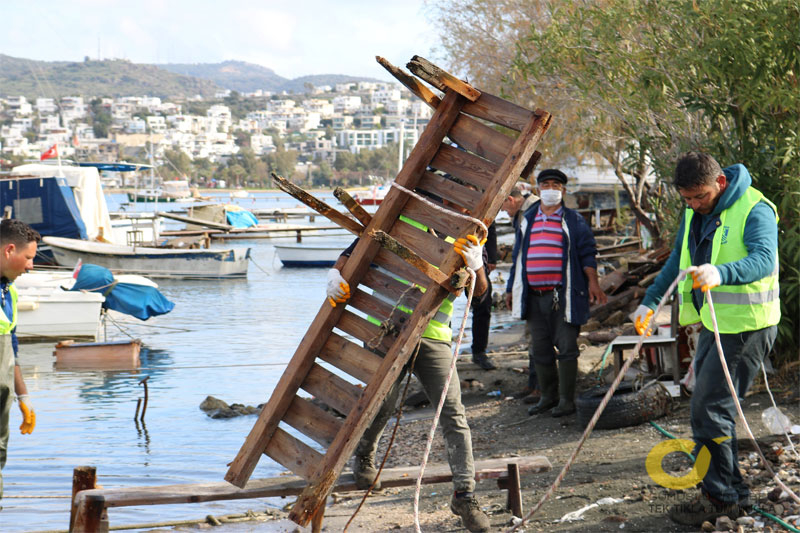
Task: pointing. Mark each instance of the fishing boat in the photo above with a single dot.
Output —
(372, 196)
(308, 255)
(170, 191)
(154, 262)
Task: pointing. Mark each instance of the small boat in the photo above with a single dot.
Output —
(208, 263)
(47, 313)
(114, 355)
(170, 191)
(308, 255)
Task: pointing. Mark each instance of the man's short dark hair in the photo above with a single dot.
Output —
(16, 232)
(551, 174)
(695, 169)
(515, 193)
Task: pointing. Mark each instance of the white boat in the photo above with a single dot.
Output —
(48, 312)
(208, 263)
(170, 191)
(308, 255)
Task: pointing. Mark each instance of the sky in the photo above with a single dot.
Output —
(294, 38)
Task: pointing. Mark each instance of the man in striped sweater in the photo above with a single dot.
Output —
(552, 281)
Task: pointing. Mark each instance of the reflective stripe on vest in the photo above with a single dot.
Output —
(439, 326)
(7, 326)
(748, 307)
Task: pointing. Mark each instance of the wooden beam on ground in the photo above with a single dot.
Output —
(350, 203)
(317, 205)
(441, 79)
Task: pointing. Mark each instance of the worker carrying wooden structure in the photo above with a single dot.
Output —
(478, 175)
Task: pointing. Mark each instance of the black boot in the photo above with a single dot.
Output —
(567, 375)
(548, 383)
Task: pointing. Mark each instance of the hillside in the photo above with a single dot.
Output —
(248, 77)
(94, 78)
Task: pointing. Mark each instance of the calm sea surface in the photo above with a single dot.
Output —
(229, 339)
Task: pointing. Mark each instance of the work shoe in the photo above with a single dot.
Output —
(533, 397)
(567, 375)
(548, 383)
(472, 518)
(482, 361)
(365, 472)
(700, 509)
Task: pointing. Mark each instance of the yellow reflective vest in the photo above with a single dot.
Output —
(739, 308)
(7, 325)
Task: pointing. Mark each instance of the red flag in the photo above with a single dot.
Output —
(52, 152)
(75, 141)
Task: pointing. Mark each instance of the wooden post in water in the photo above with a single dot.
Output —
(83, 478)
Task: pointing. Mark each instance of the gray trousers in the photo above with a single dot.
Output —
(431, 368)
(6, 397)
(549, 331)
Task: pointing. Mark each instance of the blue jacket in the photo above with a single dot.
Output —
(760, 238)
(580, 250)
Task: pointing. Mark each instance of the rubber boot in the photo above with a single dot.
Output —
(548, 383)
(567, 375)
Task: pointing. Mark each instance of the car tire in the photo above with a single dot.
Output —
(627, 407)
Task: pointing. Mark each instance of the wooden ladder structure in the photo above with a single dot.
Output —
(486, 164)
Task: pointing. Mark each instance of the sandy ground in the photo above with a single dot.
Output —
(610, 465)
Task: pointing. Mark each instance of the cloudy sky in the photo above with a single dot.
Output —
(294, 38)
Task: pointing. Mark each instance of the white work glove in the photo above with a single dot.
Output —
(28, 415)
(641, 319)
(338, 289)
(705, 277)
(471, 250)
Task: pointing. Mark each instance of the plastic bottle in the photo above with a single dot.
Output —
(775, 421)
(495, 394)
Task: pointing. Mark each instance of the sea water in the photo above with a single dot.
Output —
(229, 339)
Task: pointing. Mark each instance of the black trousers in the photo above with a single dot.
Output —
(481, 318)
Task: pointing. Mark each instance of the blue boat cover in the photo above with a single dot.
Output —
(140, 301)
(241, 218)
(46, 204)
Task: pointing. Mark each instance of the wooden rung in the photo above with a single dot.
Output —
(368, 333)
(411, 83)
(450, 190)
(293, 454)
(318, 205)
(331, 389)
(431, 248)
(354, 207)
(452, 226)
(374, 306)
(465, 166)
(411, 257)
(382, 283)
(441, 79)
(480, 139)
(312, 421)
(350, 358)
(394, 264)
(499, 111)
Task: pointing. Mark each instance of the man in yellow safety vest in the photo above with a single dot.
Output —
(17, 250)
(728, 239)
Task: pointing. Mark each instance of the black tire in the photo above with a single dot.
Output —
(626, 407)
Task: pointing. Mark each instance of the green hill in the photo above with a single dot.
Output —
(247, 77)
(95, 78)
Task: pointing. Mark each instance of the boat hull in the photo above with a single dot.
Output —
(49, 314)
(307, 256)
(153, 262)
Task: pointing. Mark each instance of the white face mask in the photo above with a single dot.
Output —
(550, 197)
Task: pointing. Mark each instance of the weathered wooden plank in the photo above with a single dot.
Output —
(317, 205)
(465, 166)
(350, 203)
(312, 421)
(412, 83)
(331, 389)
(350, 358)
(499, 111)
(441, 79)
(431, 248)
(397, 266)
(294, 454)
(450, 190)
(371, 305)
(366, 332)
(451, 226)
(480, 139)
(394, 289)
(411, 257)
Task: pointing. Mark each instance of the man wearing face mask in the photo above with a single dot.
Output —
(552, 281)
